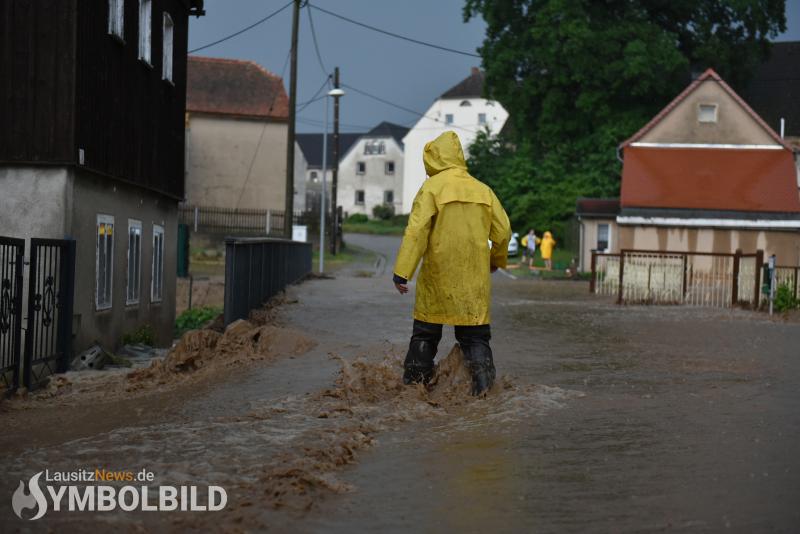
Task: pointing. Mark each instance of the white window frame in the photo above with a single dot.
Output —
(363, 197)
(361, 167)
(168, 36)
(386, 167)
(133, 279)
(157, 275)
(116, 18)
(108, 274)
(608, 241)
(449, 118)
(145, 30)
(700, 107)
(385, 195)
(481, 118)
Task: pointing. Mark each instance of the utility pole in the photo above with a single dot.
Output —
(335, 176)
(288, 216)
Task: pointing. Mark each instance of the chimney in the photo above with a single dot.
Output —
(475, 71)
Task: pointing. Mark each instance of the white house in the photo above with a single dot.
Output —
(308, 168)
(371, 172)
(461, 109)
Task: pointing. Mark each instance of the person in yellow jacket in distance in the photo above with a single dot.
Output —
(452, 219)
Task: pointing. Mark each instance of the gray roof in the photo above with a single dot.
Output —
(311, 145)
(469, 87)
(388, 129)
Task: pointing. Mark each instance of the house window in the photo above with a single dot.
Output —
(602, 237)
(145, 12)
(374, 147)
(481, 118)
(388, 197)
(105, 262)
(314, 177)
(390, 167)
(166, 65)
(360, 197)
(116, 10)
(707, 113)
(361, 167)
(134, 261)
(157, 281)
(448, 118)
(465, 104)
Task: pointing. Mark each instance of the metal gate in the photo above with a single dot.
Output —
(11, 257)
(48, 325)
(51, 284)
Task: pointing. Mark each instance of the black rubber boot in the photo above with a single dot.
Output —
(474, 343)
(481, 366)
(418, 366)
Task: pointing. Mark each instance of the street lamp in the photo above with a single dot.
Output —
(336, 93)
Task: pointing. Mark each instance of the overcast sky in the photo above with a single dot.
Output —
(404, 73)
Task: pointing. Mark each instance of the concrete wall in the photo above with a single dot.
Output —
(784, 244)
(588, 240)
(734, 125)
(430, 126)
(33, 201)
(91, 196)
(220, 152)
(375, 181)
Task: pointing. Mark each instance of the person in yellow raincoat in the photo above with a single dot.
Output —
(453, 218)
(546, 248)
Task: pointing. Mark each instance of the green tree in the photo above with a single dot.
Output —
(580, 76)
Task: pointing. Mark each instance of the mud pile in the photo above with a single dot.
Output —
(242, 341)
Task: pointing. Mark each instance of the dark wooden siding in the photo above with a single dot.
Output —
(37, 80)
(130, 122)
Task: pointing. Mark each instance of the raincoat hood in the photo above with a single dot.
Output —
(548, 235)
(444, 153)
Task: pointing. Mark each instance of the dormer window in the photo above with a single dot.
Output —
(707, 113)
(465, 104)
(374, 146)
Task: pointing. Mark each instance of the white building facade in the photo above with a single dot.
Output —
(371, 173)
(461, 109)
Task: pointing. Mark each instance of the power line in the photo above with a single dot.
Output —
(303, 105)
(231, 36)
(392, 34)
(314, 38)
(407, 110)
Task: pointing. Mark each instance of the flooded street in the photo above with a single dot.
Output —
(605, 419)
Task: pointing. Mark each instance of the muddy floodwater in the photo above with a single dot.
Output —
(604, 419)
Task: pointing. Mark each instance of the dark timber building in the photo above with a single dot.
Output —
(92, 103)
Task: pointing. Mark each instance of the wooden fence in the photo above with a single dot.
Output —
(690, 278)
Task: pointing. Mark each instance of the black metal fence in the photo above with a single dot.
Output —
(11, 279)
(48, 325)
(258, 269)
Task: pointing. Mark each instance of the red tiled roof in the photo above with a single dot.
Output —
(710, 178)
(709, 74)
(234, 87)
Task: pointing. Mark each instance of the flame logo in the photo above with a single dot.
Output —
(22, 501)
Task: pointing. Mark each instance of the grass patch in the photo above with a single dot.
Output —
(195, 318)
(375, 227)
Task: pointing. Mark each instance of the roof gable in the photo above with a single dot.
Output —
(234, 87)
(469, 87)
(388, 129)
(677, 122)
(311, 146)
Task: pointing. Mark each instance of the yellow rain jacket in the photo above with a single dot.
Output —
(547, 246)
(452, 220)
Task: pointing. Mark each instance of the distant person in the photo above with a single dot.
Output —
(452, 218)
(547, 245)
(529, 243)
